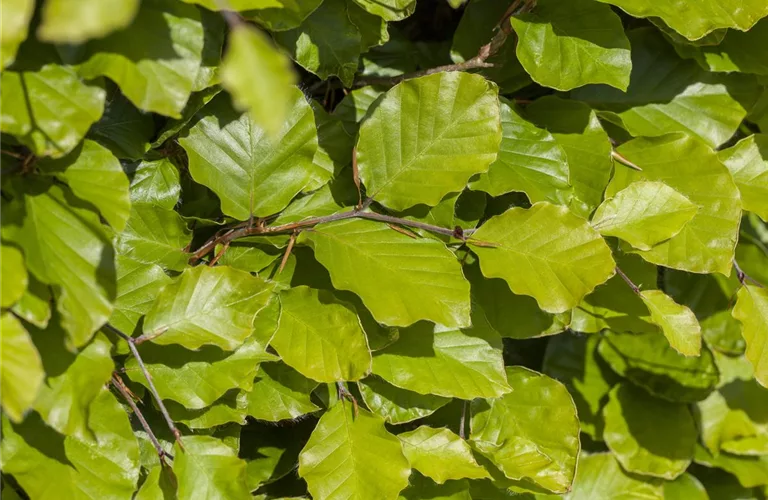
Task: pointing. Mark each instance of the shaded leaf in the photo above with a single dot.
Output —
(440, 454)
(15, 25)
(395, 405)
(209, 467)
(67, 21)
(750, 471)
(389, 10)
(601, 476)
(123, 129)
(685, 487)
(280, 393)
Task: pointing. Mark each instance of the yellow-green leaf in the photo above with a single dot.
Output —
(751, 310)
(678, 323)
(21, 371)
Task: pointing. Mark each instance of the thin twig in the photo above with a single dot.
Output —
(126, 393)
(474, 63)
(219, 255)
(744, 277)
(151, 385)
(356, 178)
(343, 394)
(287, 254)
(462, 422)
(629, 282)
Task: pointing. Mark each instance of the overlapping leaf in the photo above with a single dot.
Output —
(748, 163)
(14, 273)
(752, 311)
(678, 323)
(280, 393)
(21, 372)
(601, 476)
(395, 405)
(209, 467)
(440, 454)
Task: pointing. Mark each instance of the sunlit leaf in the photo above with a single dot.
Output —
(67, 21)
(752, 312)
(14, 275)
(279, 393)
(748, 163)
(395, 405)
(678, 323)
(21, 371)
(209, 467)
(440, 454)
(601, 476)
(155, 235)
(15, 25)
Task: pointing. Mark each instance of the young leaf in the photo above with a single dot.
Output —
(409, 152)
(196, 379)
(14, 273)
(430, 359)
(601, 476)
(644, 214)
(395, 405)
(530, 161)
(280, 393)
(155, 236)
(567, 45)
(259, 78)
(545, 252)
(73, 22)
(353, 457)
(34, 306)
(509, 431)
(706, 243)
(401, 280)
(440, 455)
(647, 435)
(207, 305)
(21, 373)
(678, 323)
(209, 467)
(96, 176)
(252, 173)
(16, 17)
(748, 163)
(156, 63)
(752, 312)
(314, 321)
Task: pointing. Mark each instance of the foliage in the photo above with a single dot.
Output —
(384, 249)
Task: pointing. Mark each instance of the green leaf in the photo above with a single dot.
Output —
(48, 109)
(509, 430)
(530, 161)
(160, 484)
(353, 457)
(440, 455)
(644, 214)
(280, 393)
(155, 183)
(420, 278)
(389, 10)
(356, 106)
(373, 29)
(565, 46)
(15, 25)
(95, 175)
(21, 373)
(421, 487)
(73, 381)
(410, 152)
(737, 51)
(14, 275)
(685, 487)
(748, 163)
(251, 173)
(695, 18)
(327, 43)
(668, 94)
(156, 62)
(230, 408)
(577, 130)
(198, 378)
(750, 471)
(315, 322)
(251, 257)
(175, 125)
(752, 312)
(678, 323)
(209, 467)
(433, 359)
(706, 243)
(573, 360)
(647, 435)
(207, 306)
(50, 467)
(648, 361)
(600, 476)
(545, 252)
(65, 21)
(155, 235)
(64, 246)
(395, 405)
(35, 305)
(259, 78)
(123, 129)
(239, 5)
(287, 16)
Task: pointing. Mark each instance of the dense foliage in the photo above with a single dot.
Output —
(382, 249)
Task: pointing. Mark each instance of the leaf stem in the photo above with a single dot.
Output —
(629, 282)
(151, 385)
(462, 422)
(744, 277)
(119, 384)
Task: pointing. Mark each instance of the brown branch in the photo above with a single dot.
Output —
(287, 254)
(629, 282)
(119, 384)
(479, 61)
(151, 385)
(744, 277)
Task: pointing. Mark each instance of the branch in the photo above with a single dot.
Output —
(476, 62)
(744, 277)
(132, 346)
(123, 389)
(629, 282)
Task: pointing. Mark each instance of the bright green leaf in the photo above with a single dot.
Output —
(73, 22)
(601, 476)
(155, 182)
(209, 468)
(160, 484)
(685, 487)
(389, 10)
(678, 323)
(707, 242)
(320, 336)
(207, 306)
(395, 405)
(748, 163)
(259, 78)
(510, 431)
(737, 51)
(35, 305)
(155, 235)
(353, 457)
(15, 25)
(287, 16)
(252, 173)
(644, 214)
(420, 277)
(280, 393)
(14, 275)
(647, 435)
(138, 285)
(752, 312)
(412, 152)
(21, 371)
(440, 454)
(565, 46)
(750, 471)
(545, 252)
